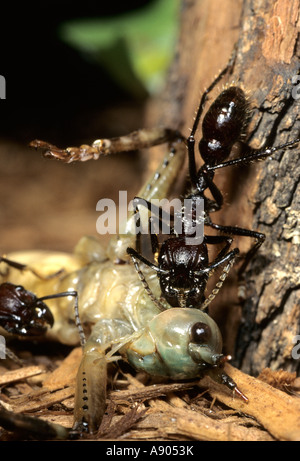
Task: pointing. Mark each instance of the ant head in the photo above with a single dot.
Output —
(22, 313)
(182, 290)
(181, 281)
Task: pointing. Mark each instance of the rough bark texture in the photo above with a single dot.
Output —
(262, 196)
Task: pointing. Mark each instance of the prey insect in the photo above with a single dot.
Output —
(183, 269)
(178, 343)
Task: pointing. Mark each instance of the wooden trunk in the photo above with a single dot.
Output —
(260, 329)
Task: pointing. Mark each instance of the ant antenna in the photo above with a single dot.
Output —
(76, 310)
(255, 155)
(24, 267)
(219, 284)
(148, 290)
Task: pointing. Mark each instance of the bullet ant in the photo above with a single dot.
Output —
(223, 127)
(183, 269)
(22, 312)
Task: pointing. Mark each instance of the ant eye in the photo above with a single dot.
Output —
(200, 333)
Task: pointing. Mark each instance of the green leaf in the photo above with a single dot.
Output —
(136, 48)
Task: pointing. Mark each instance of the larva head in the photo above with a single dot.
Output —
(181, 343)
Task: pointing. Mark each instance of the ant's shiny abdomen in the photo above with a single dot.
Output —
(223, 125)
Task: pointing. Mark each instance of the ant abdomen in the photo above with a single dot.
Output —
(223, 125)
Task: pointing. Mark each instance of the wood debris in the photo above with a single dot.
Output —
(20, 374)
(198, 410)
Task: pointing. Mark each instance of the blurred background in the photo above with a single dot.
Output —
(74, 73)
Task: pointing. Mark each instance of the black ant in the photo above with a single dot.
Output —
(22, 312)
(224, 126)
(183, 269)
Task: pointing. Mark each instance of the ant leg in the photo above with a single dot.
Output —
(230, 258)
(219, 260)
(216, 239)
(162, 216)
(136, 140)
(74, 294)
(216, 193)
(24, 267)
(153, 237)
(154, 240)
(135, 256)
(209, 204)
(254, 155)
(159, 184)
(137, 225)
(232, 230)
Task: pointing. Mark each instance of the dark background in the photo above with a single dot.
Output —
(56, 94)
(48, 82)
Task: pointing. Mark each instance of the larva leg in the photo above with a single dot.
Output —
(157, 187)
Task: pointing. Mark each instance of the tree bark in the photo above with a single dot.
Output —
(262, 196)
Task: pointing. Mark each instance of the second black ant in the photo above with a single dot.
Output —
(24, 314)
